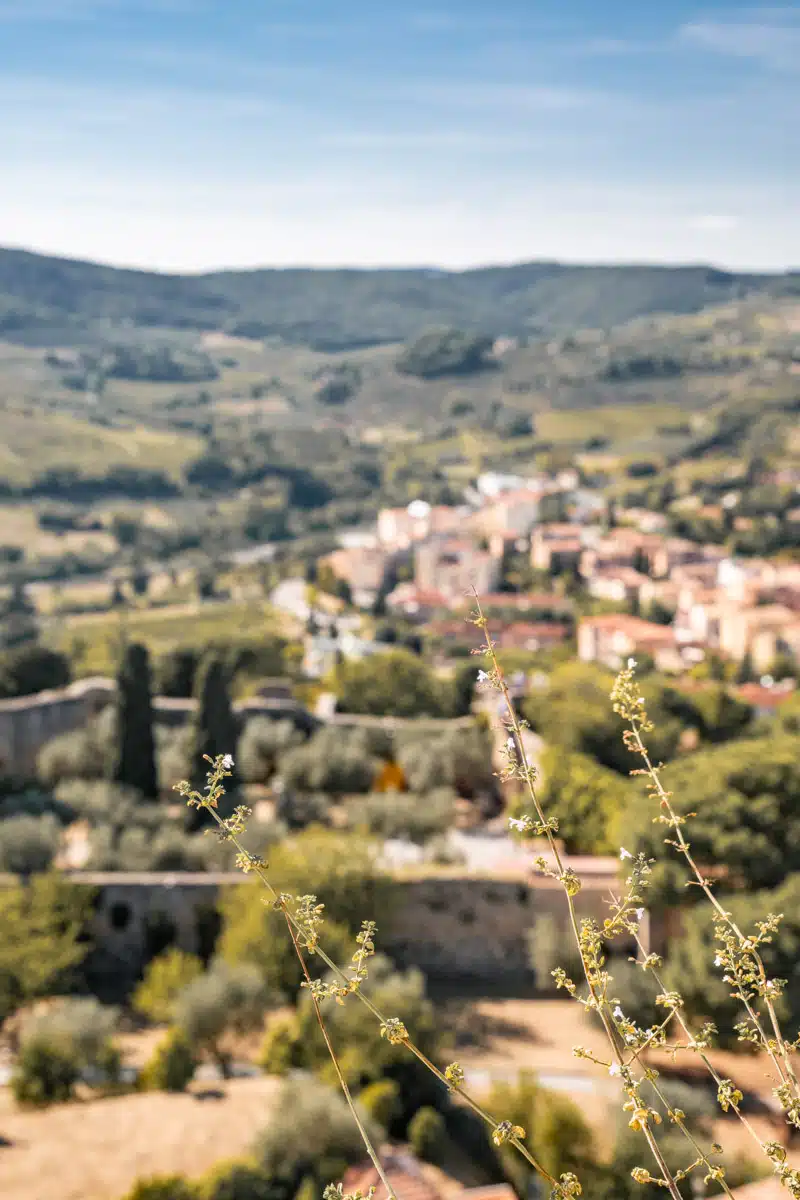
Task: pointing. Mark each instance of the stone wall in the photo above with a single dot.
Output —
(464, 927)
(451, 926)
(28, 722)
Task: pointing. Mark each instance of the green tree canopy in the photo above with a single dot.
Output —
(585, 797)
(746, 801)
(690, 964)
(341, 869)
(445, 352)
(42, 938)
(395, 684)
(32, 668)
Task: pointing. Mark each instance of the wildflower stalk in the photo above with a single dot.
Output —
(229, 830)
(629, 705)
(376, 1162)
(697, 1048)
(521, 768)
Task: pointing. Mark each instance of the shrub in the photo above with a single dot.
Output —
(28, 844)
(261, 746)
(426, 1134)
(587, 798)
(172, 1065)
(45, 1072)
(366, 1057)
(381, 1100)
(401, 815)
(164, 979)
(460, 759)
(330, 763)
(311, 1132)
(84, 1029)
(82, 755)
(240, 1181)
(226, 1001)
(32, 668)
(163, 1187)
(279, 1048)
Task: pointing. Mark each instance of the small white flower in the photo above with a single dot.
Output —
(631, 664)
(623, 854)
(629, 1038)
(227, 762)
(520, 823)
(618, 1013)
(482, 677)
(511, 744)
(718, 961)
(613, 1069)
(639, 914)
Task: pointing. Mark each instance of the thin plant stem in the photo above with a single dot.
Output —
(255, 867)
(376, 1162)
(783, 1065)
(599, 1002)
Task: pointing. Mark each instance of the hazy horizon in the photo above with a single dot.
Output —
(434, 268)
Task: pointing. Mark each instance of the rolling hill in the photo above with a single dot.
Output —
(56, 301)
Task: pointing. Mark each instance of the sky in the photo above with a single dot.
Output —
(198, 134)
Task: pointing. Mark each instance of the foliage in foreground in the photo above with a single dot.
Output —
(42, 938)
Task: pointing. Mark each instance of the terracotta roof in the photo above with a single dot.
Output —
(765, 1189)
(494, 1191)
(763, 697)
(403, 1172)
(635, 627)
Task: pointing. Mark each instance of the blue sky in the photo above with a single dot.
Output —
(186, 134)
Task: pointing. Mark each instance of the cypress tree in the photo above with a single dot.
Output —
(214, 730)
(135, 751)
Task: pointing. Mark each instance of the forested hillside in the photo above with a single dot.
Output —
(45, 300)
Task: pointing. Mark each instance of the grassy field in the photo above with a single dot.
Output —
(19, 527)
(92, 640)
(618, 423)
(34, 441)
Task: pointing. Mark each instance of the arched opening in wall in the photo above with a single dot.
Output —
(208, 924)
(119, 916)
(159, 934)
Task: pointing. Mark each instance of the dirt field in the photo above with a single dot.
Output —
(96, 1150)
(509, 1036)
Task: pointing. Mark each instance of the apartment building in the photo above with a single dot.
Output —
(455, 566)
(614, 637)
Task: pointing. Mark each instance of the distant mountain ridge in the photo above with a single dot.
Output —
(48, 300)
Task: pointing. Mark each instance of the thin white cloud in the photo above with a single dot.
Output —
(519, 97)
(771, 37)
(433, 139)
(714, 223)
